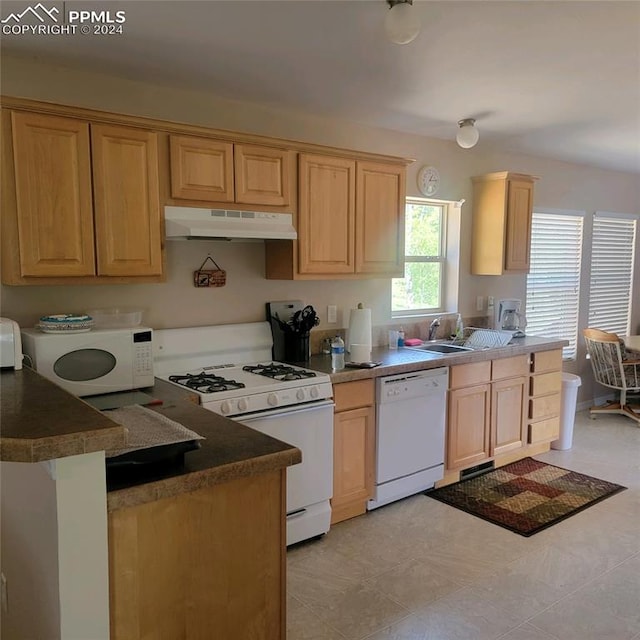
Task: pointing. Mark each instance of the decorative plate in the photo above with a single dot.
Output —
(65, 323)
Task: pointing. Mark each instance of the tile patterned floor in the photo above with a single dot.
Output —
(421, 570)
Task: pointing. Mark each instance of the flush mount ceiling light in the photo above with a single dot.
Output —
(467, 135)
(402, 23)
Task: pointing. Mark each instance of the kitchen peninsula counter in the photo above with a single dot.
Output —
(155, 552)
(41, 422)
(406, 360)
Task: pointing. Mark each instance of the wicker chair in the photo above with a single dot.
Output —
(612, 370)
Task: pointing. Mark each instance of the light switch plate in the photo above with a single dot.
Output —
(479, 303)
(332, 314)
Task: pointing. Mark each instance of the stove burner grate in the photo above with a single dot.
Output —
(206, 382)
(279, 371)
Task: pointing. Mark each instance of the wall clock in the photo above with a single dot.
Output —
(428, 180)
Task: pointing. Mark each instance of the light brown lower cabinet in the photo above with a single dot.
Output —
(509, 399)
(468, 426)
(489, 411)
(206, 564)
(353, 448)
(545, 394)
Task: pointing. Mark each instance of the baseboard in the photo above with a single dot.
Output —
(587, 404)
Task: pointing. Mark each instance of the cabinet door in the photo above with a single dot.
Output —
(126, 201)
(380, 219)
(502, 214)
(469, 426)
(201, 169)
(508, 415)
(518, 233)
(53, 193)
(261, 175)
(209, 563)
(326, 216)
(353, 461)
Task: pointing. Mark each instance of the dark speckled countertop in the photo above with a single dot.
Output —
(40, 421)
(405, 360)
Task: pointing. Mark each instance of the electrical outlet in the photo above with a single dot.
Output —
(479, 303)
(332, 314)
(4, 598)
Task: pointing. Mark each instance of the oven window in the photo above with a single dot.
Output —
(84, 364)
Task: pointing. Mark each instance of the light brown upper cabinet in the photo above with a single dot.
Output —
(350, 221)
(211, 170)
(53, 196)
(262, 175)
(201, 169)
(126, 201)
(80, 201)
(326, 215)
(502, 212)
(380, 195)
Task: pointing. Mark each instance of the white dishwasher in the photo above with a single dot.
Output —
(410, 430)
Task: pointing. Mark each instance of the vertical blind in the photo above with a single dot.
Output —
(611, 273)
(553, 283)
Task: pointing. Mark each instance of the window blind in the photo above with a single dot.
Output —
(553, 283)
(610, 287)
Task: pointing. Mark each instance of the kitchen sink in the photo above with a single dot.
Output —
(437, 347)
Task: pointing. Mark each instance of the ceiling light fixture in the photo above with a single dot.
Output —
(402, 23)
(467, 135)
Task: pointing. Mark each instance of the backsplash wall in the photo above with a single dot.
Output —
(177, 303)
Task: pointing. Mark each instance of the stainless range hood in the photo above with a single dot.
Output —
(184, 223)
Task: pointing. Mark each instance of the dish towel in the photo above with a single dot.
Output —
(147, 428)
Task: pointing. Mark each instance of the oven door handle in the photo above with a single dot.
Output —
(288, 411)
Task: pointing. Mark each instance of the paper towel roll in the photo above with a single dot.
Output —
(359, 327)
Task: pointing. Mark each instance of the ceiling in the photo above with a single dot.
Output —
(550, 78)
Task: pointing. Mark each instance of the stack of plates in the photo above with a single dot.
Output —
(65, 323)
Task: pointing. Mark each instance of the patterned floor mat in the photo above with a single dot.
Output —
(526, 496)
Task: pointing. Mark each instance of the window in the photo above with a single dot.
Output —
(422, 288)
(611, 282)
(553, 283)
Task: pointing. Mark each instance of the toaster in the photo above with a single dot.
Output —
(10, 344)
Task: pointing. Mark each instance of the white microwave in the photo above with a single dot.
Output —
(98, 361)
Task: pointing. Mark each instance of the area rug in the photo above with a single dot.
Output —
(526, 496)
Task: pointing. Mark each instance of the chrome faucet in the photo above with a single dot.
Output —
(433, 327)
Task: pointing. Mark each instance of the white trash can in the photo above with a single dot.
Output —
(570, 384)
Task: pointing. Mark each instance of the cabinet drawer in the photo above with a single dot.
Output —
(350, 395)
(546, 383)
(544, 406)
(546, 361)
(464, 375)
(545, 430)
(510, 367)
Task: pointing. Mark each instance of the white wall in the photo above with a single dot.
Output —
(177, 303)
(29, 552)
(54, 551)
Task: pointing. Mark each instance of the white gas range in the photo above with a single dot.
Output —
(235, 390)
(229, 369)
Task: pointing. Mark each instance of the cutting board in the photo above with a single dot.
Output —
(285, 309)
